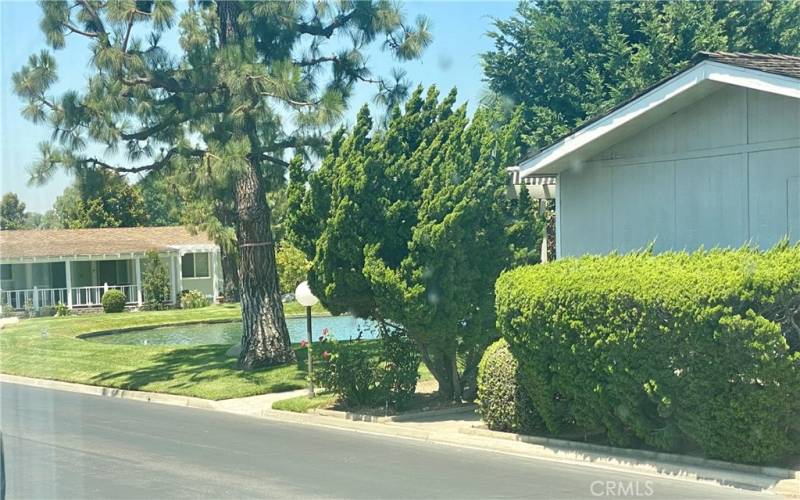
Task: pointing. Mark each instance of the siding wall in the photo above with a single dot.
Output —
(720, 172)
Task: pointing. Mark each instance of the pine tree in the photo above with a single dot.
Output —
(410, 226)
(251, 81)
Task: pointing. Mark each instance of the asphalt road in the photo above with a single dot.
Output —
(66, 445)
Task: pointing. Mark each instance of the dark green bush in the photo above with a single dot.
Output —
(113, 301)
(675, 351)
(350, 370)
(503, 403)
(400, 368)
(381, 373)
(155, 282)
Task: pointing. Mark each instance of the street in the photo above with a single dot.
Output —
(66, 445)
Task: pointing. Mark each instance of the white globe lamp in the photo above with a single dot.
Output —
(304, 297)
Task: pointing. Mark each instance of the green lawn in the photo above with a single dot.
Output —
(302, 404)
(49, 348)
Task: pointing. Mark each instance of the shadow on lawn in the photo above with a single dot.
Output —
(186, 367)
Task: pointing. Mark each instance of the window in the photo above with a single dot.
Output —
(5, 272)
(194, 265)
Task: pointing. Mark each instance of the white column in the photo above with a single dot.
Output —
(68, 271)
(138, 272)
(36, 297)
(173, 273)
(29, 276)
(214, 256)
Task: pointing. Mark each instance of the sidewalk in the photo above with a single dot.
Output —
(461, 427)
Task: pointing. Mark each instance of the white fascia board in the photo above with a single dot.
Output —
(84, 257)
(704, 71)
(182, 249)
(754, 79)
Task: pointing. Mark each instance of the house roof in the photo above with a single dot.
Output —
(776, 64)
(83, 242)
(765, 72)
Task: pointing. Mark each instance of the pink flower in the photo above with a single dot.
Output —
(303, 343)
(326, 355)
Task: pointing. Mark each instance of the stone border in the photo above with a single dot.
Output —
(781, 481)
(127, 329)
(213, 321)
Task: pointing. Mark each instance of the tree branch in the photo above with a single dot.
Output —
(325, 31)
(169, 85)
(156, 165)
(276, 161)
(316, 60)
(73, 29)
(95, 17)
(127, 33)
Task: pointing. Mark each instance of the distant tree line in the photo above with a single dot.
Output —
(562, 62)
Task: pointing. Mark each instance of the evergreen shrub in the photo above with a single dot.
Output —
(113, 301)
(675, 351)
(503, 403)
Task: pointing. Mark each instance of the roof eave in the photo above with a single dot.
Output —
(551, 160)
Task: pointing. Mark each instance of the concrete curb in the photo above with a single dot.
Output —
(405, 417)
(775, 472)
(780, 481)
(151, 397)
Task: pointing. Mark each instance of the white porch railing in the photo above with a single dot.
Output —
(92, 295)
(84, 296)
(16, 298)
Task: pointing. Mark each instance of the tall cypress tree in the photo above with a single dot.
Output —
(251, 80)
(411, 226)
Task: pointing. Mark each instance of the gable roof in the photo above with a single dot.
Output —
(85, 242)
(776, 64)
(779, 74)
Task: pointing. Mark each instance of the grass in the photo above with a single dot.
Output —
(303, 404)
(419, 402)
(49, 348)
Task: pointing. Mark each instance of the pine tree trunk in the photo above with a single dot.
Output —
(230, 276)
(265, 339)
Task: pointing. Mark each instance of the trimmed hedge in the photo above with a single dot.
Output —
(113, 301)
(676, 351)
(503, 403)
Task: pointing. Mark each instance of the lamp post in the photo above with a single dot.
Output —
(304, 296)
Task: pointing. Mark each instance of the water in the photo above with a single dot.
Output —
(341, 327)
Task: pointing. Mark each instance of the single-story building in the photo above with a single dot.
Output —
(708, 157)
(76, 266)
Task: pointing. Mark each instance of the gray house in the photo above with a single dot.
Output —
(708, 157)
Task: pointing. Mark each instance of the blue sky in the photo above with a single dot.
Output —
(451, 60)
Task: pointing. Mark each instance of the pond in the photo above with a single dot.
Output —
(341, 327)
